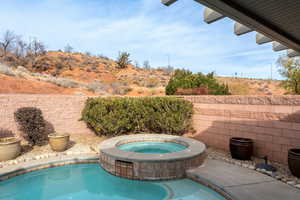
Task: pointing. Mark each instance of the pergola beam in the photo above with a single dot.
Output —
(211, 16)
(278, 46)
(247, 22)
(240, 29)
(231, 10)
(291, 53)
(168, 2)
(262, 39)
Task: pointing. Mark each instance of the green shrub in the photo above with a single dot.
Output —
(123, 60)
(116, 115)
(186, 79)
(32, 125)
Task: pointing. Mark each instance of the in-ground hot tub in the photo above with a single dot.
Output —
(151, 156)
(152, 147)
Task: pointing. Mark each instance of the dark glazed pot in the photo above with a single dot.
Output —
(241, 148)
(294, 161)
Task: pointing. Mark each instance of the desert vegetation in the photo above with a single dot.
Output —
(123, 60)
(116, 115)
(290, 69)
(184, 79)
(80, 73)
(26, 66)
(32, 125)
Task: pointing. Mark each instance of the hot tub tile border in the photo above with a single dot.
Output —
(152, 166)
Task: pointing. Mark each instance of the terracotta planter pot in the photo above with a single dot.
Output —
(241, 148)
(294, 161)
(59, 142)
(10, 148)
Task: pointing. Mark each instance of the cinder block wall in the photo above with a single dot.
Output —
(62, 112)
(273, 122)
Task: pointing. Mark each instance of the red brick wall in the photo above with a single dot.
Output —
(61, 111)
(273, 122)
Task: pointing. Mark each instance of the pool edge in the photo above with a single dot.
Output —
(36, 165)
(89, 159)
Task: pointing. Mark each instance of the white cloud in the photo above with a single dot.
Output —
(145, 28)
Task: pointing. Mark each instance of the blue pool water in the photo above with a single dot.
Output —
(91, 182)
(152, 147)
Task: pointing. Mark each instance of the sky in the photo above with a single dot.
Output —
(146, 29)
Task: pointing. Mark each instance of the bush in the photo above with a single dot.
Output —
(6, 70)
(32, 125)
(116, 115)
(122, 90)
(63, 82)
(152, 83)
(186, 79)
(123, 60)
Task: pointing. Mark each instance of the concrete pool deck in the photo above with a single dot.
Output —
(242, 183)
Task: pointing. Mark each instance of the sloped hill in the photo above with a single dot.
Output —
(244, 86)
(57, 72)
(14, 85)
(95, 74)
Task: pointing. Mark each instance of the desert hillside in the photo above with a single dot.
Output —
(245, 86)
(58, 72)
(77, 73)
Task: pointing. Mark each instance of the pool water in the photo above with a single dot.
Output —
(152, 147)
(91, 182)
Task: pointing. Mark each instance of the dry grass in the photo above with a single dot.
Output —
(243, 86)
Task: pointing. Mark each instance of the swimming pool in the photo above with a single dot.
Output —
(89, 181)
(152, 147)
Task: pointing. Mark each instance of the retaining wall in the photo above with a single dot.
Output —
(62, 112)
(273, 122)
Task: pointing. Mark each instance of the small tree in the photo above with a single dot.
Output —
(123, 60)
(87, 53)
(146, 65)
(68, 49)
(36, 47)
(136, 64)
(20, 48)
(8, 40)
(290, 69)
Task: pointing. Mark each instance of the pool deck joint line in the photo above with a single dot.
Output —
(242, 183)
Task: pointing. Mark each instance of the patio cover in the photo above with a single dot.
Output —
(276, 21)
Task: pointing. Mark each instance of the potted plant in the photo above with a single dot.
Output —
(241, 148)
(59, 142)
(294, 161)
(10, 148)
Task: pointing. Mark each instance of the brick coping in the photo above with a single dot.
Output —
(292, 100)
(288, 100)
(194, 148)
